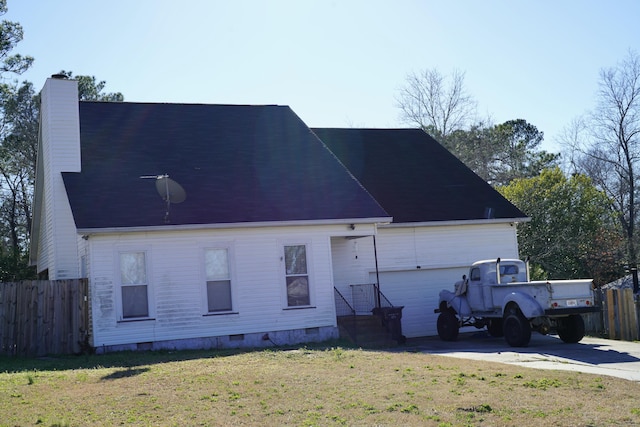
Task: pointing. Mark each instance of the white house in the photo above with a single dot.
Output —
(230, 225)
(196, 225)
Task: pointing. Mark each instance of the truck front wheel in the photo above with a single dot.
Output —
(571, 328)
(517, 331)
(448, 326)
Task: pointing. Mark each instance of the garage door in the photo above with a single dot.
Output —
(417, 291)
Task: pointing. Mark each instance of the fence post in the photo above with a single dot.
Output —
(636, 310)
(8, 317)
(632, 318)
(611, 313)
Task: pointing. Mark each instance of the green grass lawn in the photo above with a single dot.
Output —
(323, 386)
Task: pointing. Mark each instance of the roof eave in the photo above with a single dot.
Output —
(457, 222)
(342, 221)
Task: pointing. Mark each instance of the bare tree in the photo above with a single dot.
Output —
(610, 151)
(571, 139)
(437, 104)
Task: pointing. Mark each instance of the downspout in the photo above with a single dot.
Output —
(375, 256)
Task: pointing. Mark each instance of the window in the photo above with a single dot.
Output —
(508, 269)
(216, 263)
(297, 277)
(133, 281)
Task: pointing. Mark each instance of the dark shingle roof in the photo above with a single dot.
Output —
(236, 164)
(413, 177)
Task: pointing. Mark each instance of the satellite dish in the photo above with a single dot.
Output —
(169, 190)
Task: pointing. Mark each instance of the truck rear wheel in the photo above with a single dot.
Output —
(517, 331)
(448, 326)
(571, 328)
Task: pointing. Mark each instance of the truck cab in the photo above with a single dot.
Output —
(484, 274)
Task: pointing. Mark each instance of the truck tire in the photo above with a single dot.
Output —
(448, 326)
(571, 328)
(517, 331)
(495, 328)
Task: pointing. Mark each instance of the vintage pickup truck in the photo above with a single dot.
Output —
(497, 294)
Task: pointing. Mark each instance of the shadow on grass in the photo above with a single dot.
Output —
(132, 362)
(125, 373)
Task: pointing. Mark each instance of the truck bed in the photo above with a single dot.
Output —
(552, 295)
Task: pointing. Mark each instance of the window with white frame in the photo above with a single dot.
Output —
(297, 275)
(134, 286)
(218, 279)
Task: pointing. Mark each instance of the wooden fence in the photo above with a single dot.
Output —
(44, 317)
(620, 313)
(593, 323)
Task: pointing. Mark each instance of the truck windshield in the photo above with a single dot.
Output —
(508, 269)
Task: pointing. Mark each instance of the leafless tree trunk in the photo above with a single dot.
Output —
(610, 154)
(436, 103)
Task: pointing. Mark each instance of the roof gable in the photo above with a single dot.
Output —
(415, 178)
(236, 164)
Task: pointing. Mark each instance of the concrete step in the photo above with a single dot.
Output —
(365, 330)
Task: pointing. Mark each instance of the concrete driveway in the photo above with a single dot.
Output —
(591, 355)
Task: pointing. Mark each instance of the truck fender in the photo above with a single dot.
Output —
(528, 305)
(458, 303)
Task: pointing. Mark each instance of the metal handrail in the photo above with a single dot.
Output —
(343, 308)
(367, 296)
(368, 302)
(384, 301)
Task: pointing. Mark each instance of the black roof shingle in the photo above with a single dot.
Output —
(237, 164)
(415, 178)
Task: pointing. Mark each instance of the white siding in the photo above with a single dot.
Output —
(415, 263)
(177, 283)
(353, 259)
(44, 245)
(60, 151)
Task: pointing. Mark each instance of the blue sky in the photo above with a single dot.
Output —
(336, 63)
